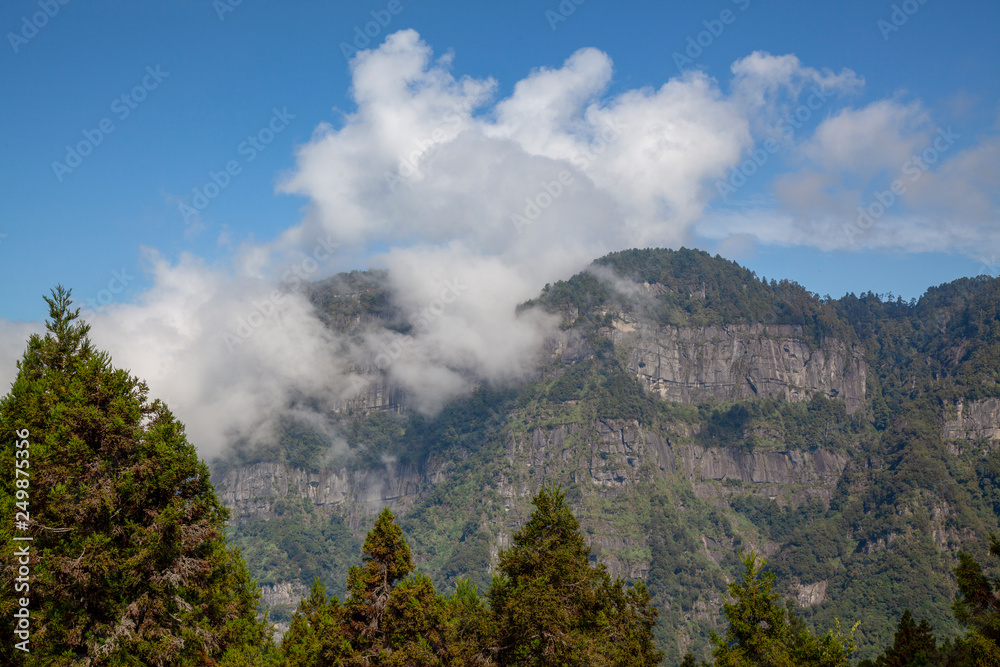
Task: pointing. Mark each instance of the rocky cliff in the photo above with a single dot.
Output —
(977, 420)
(691, 364)
(251, 491)
(672, 475)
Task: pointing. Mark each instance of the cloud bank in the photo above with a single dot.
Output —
(473, 203)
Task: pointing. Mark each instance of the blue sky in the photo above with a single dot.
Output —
(227, 74)
(161, 96)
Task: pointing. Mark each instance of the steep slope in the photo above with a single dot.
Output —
(691, 410)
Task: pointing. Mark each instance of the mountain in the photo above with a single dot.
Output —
(692, 411)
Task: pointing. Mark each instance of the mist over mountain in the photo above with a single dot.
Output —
(496, 323)
(692, 411)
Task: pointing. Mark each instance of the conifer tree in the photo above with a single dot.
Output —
(317, 635)
(913, 645)
(128, 561)
(761, 633)
(469, 626)
(977, 608)
(688, 661)
(758, 632)
(386, 560)
(390, 617)
(551, 607)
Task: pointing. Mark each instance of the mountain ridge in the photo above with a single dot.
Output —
(669, 491)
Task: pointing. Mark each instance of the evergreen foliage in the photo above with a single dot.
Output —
(129, 563)
(762, 634)
(551, 607)
(547, 606)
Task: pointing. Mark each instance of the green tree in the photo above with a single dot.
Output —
(688, 661)
(913, 645)
(128, 561)
(977, 608)
(469, 626)
(386, 560)
(761, 633)
(389, 618)
(316, 636)
(758, 632)
(551, 607)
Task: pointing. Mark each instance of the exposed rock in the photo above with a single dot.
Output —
(287, 593)
(791, 477)
(692, 364)
(818, 466)
(811, 594)
(250, 491)
(371, 391)
(285, 596)
(977, 420)
(613, 457)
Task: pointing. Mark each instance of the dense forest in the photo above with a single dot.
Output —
(574, 522)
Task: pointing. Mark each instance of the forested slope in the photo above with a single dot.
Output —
(690, 410)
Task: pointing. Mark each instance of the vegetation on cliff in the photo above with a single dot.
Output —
(864, 515)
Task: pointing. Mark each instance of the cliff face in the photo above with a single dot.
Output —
(371, 390)
(790, 477)
(690, 365)
(611, 458)
(251, 491)
(977, 420)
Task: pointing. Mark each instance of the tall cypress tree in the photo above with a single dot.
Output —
(392, 617)
(761, 633)
(551, 607)
(129, 564)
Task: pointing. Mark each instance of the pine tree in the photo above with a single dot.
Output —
(391, 618)
(913, 645)
(551, 607)
(977, 608)
(317, 634)
(386, 560)
(469, 626)
(128, 561)
(758, 632)
(763, 634)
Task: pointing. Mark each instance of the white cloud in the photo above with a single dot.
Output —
(474, 203)
(835, 188)
(863, 142)
(13, 342)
